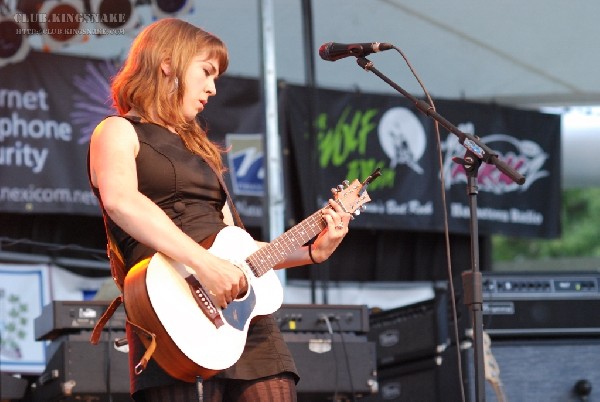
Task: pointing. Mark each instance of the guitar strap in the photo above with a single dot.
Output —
(236, 215)
(118, 272)
(97, 331)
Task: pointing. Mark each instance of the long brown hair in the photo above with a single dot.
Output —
(142, 85)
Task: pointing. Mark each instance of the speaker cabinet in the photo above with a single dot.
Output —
(77, 370)
(411, 332)
(12, 387)
(548, 370)
(431, 379)
(342, 364)
(531, 370)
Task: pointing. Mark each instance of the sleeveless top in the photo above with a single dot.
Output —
(186, 188)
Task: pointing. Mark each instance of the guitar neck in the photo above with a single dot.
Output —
(265, 258)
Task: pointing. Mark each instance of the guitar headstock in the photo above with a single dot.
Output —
(352, 197)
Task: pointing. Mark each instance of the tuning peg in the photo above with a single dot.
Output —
(334, 191)
(346, 183)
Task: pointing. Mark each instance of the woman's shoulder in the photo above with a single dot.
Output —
(114, 127)
(131, 126)
(116, 121)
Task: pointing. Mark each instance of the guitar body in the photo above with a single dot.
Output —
(159, 299)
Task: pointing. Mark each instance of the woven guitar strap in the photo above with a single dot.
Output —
(118, 272)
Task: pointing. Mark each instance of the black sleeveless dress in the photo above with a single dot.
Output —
(184, 186)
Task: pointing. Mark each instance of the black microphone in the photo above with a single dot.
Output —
(332, 51)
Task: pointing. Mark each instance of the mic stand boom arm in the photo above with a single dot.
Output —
(470, 142)
(476, 153)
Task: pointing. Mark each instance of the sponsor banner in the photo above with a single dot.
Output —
(49, 106)
(46, 121)
(355, 133)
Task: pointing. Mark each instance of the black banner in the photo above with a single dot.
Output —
(355, 133)
(235, 118)
(49, 106)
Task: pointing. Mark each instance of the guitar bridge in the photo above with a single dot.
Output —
(203, 301)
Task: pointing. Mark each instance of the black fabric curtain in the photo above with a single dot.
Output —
(377, 255)
(54, 235)
(365, 255)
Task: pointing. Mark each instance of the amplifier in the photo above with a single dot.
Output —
(318, 318)
(333, 364)
(78, 370)
(12, 387)
(534, 304)
(528, 370)
(411, 332)
(64, 317)
(432, 379)
(543, 369)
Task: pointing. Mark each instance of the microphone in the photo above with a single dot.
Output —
(332, 51)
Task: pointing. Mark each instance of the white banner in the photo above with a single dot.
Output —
(24, 290)
(67, 285)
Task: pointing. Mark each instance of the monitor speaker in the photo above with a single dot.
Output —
(77, 370)
(549, 370)
(430, 379)
(531, 370)
(338, 364)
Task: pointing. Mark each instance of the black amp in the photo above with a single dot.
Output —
(541, 304)
(61, 317)
(331, 350)
(75, 369)
(323, 318)
(412, 332)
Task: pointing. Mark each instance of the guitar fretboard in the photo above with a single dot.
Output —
(265, 258)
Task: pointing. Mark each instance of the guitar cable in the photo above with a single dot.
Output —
(200, 388)
(327, 321)
(436, 126)
(325, 318)
(347, 359)
(107, 364)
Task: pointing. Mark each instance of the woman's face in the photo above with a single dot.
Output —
(200, 79)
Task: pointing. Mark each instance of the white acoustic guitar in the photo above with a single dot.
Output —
(195, 338)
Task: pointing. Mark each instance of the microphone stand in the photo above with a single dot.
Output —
(476, 153)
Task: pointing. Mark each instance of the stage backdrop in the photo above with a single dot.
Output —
(354, 133)
(49, 105)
